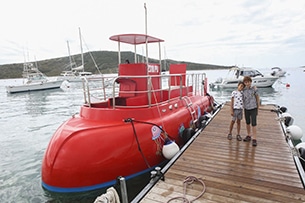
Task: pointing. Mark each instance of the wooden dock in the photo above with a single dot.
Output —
(234, 171)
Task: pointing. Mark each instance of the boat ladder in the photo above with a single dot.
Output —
(190, 107)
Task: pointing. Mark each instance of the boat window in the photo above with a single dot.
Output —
(237, 73)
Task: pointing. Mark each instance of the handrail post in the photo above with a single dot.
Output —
(149, 91)
(113, 93)
(86, 91)
(123, 188)
(180, 86)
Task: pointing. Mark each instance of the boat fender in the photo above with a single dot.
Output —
(295, 132)
(169, 149)
(288, 119)
(187, 134)
(202, 121)
(302, 155)
(283, 109)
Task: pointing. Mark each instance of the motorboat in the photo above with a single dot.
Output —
(236, 74)
(277, 71)
(33, 80)
(127, 128)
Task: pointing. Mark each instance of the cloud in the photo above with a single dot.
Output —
(216, 32)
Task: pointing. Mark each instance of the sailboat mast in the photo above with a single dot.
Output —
(81, 48)
(70, 59)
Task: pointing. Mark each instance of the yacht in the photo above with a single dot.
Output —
(236, 74)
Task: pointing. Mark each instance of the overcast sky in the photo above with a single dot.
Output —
(260, 34)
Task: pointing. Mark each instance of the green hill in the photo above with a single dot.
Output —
(95, 62)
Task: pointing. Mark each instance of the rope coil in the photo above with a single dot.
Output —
(188, 181)
(111, 196)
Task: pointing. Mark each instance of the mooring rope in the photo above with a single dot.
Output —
(111, 196)
(188, 181)
(138, 143)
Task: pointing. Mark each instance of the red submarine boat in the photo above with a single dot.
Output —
(128, 125)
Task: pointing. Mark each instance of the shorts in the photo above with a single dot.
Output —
(237, 114)
(250, 116)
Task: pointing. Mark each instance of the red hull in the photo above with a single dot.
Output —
(92, 150)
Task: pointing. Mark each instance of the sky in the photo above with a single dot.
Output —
(251, 33)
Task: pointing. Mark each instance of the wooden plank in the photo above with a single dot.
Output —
(235, 171)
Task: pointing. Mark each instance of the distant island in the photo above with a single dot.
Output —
(95, 62)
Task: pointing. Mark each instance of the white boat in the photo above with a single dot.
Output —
(75, 73)
(236, 74)
(33, 80)
(276, 71)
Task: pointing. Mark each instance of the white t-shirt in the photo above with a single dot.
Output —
(238, 99)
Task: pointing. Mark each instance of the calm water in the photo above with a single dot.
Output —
(28, 121)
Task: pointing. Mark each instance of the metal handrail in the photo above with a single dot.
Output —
(193, 79)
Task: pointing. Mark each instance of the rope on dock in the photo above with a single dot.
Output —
(188, 181)
(111, 196)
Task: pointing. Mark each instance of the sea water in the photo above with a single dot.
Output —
(28, 121)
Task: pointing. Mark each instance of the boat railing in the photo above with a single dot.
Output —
(109, 91)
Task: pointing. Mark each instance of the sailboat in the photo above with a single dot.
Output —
(75, 74)
(70, 74)
(33, 80)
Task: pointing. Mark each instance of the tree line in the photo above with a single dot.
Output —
(95, 62)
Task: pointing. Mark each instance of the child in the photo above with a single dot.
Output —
(236, 110)
(251, 104)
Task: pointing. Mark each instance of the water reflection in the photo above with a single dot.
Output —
(35, 103)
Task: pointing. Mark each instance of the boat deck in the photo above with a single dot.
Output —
(234, 171)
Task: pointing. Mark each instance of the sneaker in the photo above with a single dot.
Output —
(254, 143)
(238, 137)
(247, 139)
(229, 137)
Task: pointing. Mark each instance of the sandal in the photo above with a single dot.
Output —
(254, 143)
(229, 137)
(247, 139)
(238, 137)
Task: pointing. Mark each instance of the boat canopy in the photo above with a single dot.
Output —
(135, 39)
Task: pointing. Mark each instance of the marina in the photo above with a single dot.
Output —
(143, 131)
(234, 171)
(29, 119)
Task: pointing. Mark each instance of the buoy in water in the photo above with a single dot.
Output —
(287, 85)
(295, 132)
(170, 148)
